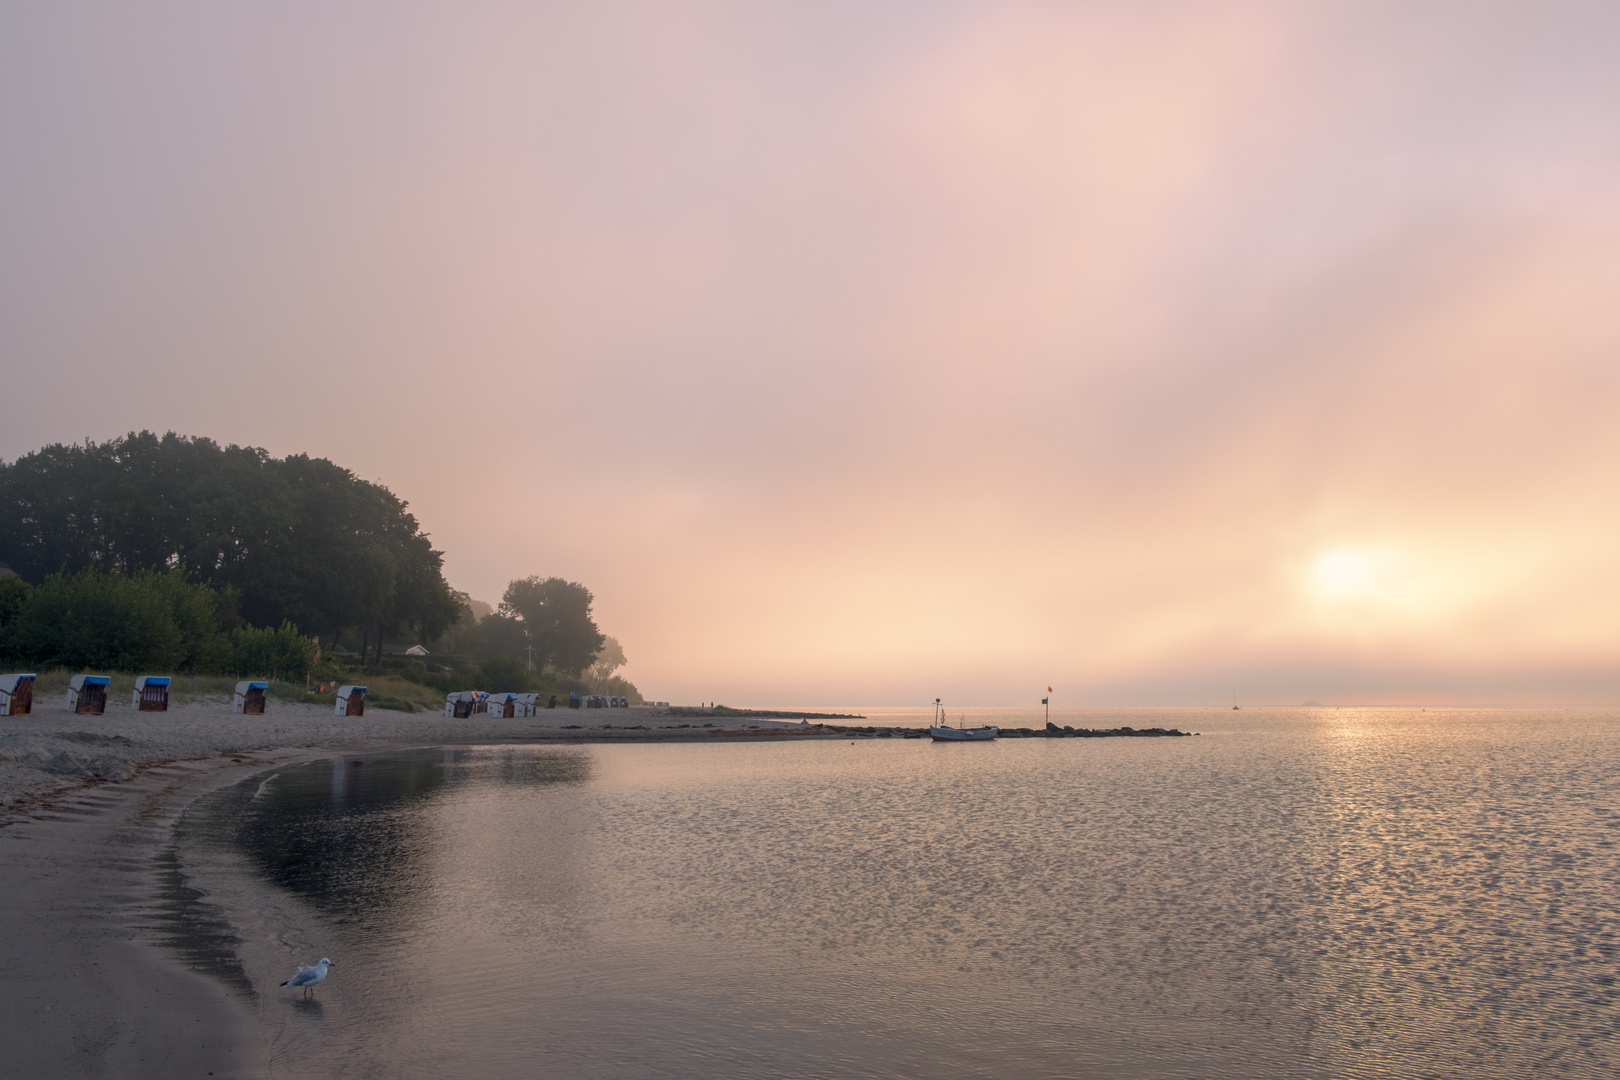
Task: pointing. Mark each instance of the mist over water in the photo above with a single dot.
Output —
(1315, 893)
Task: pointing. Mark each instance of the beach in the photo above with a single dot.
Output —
(89, 805)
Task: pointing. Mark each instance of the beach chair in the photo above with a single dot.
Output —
(151, 694)
(87, 694)
(250, 698)
(461, 704)
(16, 695)
(351, 701)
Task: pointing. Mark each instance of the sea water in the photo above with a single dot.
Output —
(1307, 893)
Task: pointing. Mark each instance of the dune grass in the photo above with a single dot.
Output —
(50, 687)
(383, 691)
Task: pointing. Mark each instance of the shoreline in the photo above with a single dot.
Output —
(49, 751)
(91, 989)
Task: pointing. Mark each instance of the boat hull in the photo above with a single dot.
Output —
(952, 734)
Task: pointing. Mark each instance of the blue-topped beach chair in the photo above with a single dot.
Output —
(151, 694)
(351, 701)
(16, 695)
(250, 697)
(87, 694)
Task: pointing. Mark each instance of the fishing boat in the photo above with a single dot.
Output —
(941, 730)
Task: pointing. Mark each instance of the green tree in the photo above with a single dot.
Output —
(296, 539)
(13, 593)
(196, 611)
(147, 621)
(282, 653)
(97, 620)
(556, 617)
(609, 658)
(502, 635)
(504, 675)
(618, 686)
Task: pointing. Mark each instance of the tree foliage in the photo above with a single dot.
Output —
(608, 659)
(96, 620)
(144, 622)
(505, 675)
(295, 539)
(282, 653)
(555, 616)
(618, 686)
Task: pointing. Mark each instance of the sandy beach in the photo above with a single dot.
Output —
(89, 805)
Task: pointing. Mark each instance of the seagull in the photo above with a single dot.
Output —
(309, 977)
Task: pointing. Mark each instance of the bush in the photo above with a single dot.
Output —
(95, 620)
(504, 675)
(144, 622)
(618, 686)
(282, 653)
(13, 591)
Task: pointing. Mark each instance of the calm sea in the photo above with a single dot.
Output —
(1306, 893)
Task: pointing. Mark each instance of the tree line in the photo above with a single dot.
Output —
(542, 636)
(179, 554)
(295, 540)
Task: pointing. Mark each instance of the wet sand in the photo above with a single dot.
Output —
(87, 808)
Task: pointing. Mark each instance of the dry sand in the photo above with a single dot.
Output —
(88, 806)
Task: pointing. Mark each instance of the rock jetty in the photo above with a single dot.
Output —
(1051, 731)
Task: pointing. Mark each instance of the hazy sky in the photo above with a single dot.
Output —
(873, 352)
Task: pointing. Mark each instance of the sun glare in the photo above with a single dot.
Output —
(1343, 575)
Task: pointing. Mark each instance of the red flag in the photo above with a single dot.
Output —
(1048, 689)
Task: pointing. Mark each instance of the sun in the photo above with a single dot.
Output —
(1342, 575)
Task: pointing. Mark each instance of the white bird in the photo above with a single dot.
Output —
(309, 977)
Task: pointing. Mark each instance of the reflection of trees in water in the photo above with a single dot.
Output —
(354, 839)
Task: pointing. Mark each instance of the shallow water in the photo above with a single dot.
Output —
(1321, 893)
